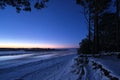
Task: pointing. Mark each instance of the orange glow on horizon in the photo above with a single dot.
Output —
(18, 45)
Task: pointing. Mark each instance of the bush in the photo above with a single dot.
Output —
(85, 47)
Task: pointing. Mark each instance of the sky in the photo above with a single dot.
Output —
(60, 25)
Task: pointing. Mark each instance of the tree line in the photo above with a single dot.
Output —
(103, 18)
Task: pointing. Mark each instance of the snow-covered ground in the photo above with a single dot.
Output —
(102, 68)
(58, 65)
(111, 63)
(52, 66)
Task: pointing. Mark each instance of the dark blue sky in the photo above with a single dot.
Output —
(59, 25)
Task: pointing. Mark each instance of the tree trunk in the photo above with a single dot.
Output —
(117, 25)
(89, 29)
(96, 33)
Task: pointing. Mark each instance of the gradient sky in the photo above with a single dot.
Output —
(59, 25)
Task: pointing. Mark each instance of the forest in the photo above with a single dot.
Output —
(103, 18)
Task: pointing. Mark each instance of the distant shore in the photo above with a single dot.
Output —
(30, 49)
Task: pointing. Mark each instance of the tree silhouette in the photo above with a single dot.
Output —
(96, 8)
(107, 35)
(117, 7)
(84, 46)
(86, 4)
(107, 32)
(100, 7)
(24, 5)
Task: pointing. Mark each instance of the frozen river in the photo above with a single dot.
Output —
(35, 66)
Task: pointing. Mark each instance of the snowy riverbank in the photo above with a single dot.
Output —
(63, 65)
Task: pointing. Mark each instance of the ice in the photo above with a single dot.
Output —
(38, 67)
(10, 57)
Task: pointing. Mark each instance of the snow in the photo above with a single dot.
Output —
(103, 68)
(111, 63)
(59, 65)
(38, 67)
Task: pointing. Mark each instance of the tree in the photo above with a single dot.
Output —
(96, 8)
(24, 5)
(99, 8)
(84, 46)
(86, 4)
(107, 35)
(107, 31)
(117, 6)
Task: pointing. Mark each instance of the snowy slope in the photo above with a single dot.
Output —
(111, 63)
(102, 68)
